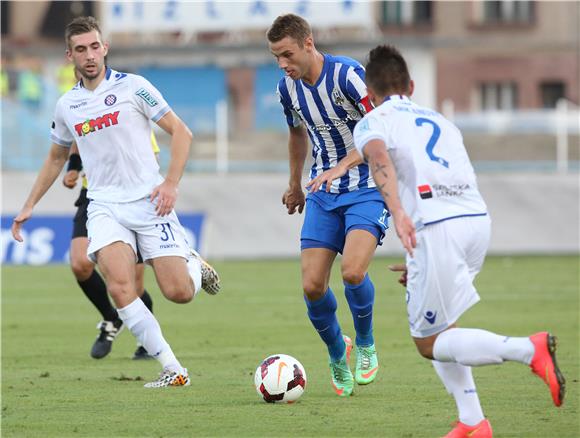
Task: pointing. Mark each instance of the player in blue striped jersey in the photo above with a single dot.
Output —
(323, 98)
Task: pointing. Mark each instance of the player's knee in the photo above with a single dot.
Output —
(119, 291)
(352, 276)
(425, 350)
(82, 268)
(182, 298)
(313, 289)
(140, 288)
(179, 294)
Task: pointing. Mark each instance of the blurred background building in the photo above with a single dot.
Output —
(507, 72)
(497, 67)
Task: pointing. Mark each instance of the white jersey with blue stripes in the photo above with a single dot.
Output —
(330, 110)
(435, 176)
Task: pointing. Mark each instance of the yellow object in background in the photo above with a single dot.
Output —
(154, 144)
(66, 78)
(4, 88)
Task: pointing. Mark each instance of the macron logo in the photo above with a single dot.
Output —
(78, 105)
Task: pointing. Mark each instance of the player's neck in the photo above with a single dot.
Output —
(92, 84)
(378, 100)
(315, 69)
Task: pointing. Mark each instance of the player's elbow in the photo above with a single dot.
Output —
(175, 127)
(58, 155)
(187, 133)
(373, 155)
(183, 132)
(298, 133)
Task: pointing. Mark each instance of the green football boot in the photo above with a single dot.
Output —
(342, 380)
(367, 364)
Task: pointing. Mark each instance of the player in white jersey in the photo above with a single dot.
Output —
(87, 277)
(323, 98)
(107, 114)
(422, 170)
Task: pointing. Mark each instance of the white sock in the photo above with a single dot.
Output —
(475, 347)
(194, 269)
(141, 322)
(458, 381)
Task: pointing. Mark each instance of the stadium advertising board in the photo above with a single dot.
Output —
(47, 238)
(204, 16)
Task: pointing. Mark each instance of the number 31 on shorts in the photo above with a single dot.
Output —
(166, 232)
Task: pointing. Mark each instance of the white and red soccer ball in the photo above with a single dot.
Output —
(280, 379)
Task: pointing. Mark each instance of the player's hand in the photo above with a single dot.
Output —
(326, 177)
(19, 220)
(166, 195)
(402, 268)
(70, 178)
(405, 230)
(293, 199)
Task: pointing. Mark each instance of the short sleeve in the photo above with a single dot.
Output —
(148, 99)
(59, 132)
(292, 118)
(357, 89)
(369, 128)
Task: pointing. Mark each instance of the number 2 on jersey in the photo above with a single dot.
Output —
(432, 141)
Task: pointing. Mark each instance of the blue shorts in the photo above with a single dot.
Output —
(330, 217)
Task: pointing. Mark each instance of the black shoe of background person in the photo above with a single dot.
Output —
(108, 332)
(141, 354)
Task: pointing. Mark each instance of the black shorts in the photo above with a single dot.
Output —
(80, 219)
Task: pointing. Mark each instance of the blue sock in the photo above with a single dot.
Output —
(361, 298)
(322, 314)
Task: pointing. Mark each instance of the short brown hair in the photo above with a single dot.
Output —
(289, 25)
(386, 71)
(79, 26)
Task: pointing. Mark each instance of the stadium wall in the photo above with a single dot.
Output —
(241, 216)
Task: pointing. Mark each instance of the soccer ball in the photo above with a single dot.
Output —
(280, 379)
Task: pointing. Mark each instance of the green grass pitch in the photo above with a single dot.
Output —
(52, 388)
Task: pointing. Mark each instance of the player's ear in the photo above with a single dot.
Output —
(68, 53)
(411, 87)
(106, 47)
(309, 43)
(372, 97)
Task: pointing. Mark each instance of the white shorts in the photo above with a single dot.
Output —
(137, 224)
(440, 276)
